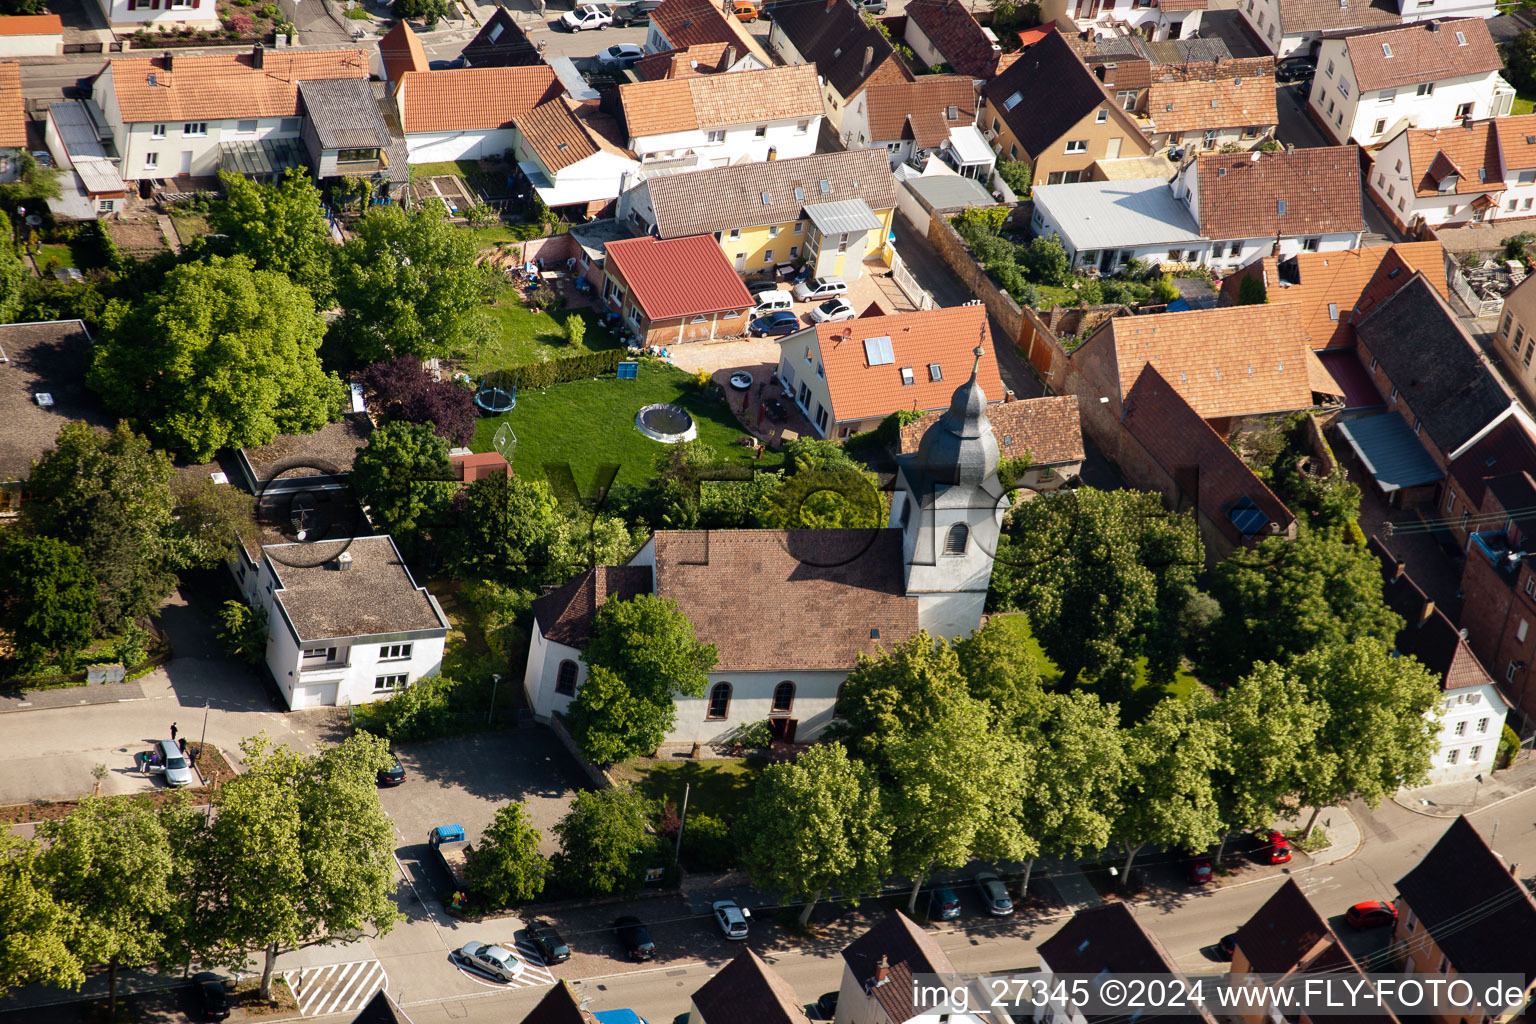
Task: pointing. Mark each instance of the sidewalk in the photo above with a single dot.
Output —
(1344, 834)
(1073, 890)
(1453, 799)
(70, 696)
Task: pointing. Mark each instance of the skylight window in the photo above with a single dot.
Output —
(799, 193)
(1333, 311)
(826, 186)
(935, 372)
(1461, 39)
(1280, 207)
(766, 199)
(1012, 101)
(877, 351)
(906, 376)
(1386, 49)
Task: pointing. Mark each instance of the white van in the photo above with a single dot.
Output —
(773, 301)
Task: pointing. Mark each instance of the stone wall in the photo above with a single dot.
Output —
(599, 778)
(953, 251)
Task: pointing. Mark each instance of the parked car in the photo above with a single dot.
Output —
(635, 938)
(587, 16)
(1200, 871)
(622, 55)
(1277, 848)
(394, 774)
(178, 770)
(496, 962)
(832, 311)
(773, 299)
(875, 7)
(1296, 69)
(994, 894)
(448, 65)
(43, 157)
(820, 288)
(640, 10)
(732, 919)
(1371, 914)
(744, 10)
(943, 904)
(780, 323)
(1227, 947)
(212, 996)
(552, 948)
(826, 1006)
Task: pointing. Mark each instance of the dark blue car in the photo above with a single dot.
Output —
(782, 322)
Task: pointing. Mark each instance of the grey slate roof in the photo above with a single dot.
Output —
(832, 36)
(1438, 370)
(1115, 214)
(1055, 88)
(344, 113)
(721, 198)
(500, 43)
(950, 191)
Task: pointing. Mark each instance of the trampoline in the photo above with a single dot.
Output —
(668, 424)
(493, 401)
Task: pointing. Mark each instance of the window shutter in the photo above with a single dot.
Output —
(154, 5)
(133, 5)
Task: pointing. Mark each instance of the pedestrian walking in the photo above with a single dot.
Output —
(173, 732)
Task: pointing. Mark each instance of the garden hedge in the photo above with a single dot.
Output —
(559, 371)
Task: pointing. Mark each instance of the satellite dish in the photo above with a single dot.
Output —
(1255, 156)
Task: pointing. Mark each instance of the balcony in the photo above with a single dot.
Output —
(323, 671)
(1496, 547)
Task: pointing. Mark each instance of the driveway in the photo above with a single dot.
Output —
(1296, 127)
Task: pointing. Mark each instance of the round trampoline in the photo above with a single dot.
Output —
(668, 424)
(493, 401)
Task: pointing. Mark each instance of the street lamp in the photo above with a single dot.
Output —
(495, 682)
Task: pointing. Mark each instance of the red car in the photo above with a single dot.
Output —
(1200, 871)
(1278, 848)
(1371, 914)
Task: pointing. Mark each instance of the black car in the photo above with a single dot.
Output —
(447, 65)
(212, 996)
(1296, 69)
(547, 941)
(394, 774)
(1227, 946)
(640, 10)
(634, 937)
(826, 1007)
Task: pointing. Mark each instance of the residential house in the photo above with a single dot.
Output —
(725, 119)
(1280, 203)
(880, 972)
(1106, 940)
(677, 290)
(929, 569)
(849, 55)
(183, 114)
(560, 1005)
(1471, 715)
(469, 113)
(1437, 936)
(946, 32)
(159, 15)
(573, 154)
(910, 120)
(31, 35)
(13, 121)
(1045, 431)
(679, 24)
(1515, 337)
(831, 210)
(1433, 74)
(42, 387)
(937, 191)
(82, 147)
(1294, 27)
(746, 989)
(1160, 20)
(1474, 172)
(1204, 107)
(345, 135)
(500, 43)
(1170, 449)
(1105, 224)
(699, 59)
(1049, 111)
(849, 376)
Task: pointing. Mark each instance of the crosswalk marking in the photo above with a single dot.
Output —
(336, 988)
(537, 973)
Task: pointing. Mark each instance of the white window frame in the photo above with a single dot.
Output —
(195, 129)
(395, 652)
(398, 681)
(1077, 146)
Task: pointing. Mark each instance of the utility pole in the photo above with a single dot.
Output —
(677, 855)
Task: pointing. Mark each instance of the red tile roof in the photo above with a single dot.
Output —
(957, 35)
(469, 468)
(920, 110)
(207, 87)
(678, 276)
(691, 22)
(31, 25)
(703, 59)
(13, 107)
(943, 337)
(1471, 151)
(565, 613)
(401, 51)
(1423, 52)
(473, 99)
(1046, 430)
(1241, 193)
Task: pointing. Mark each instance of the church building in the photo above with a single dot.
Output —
(790, 611)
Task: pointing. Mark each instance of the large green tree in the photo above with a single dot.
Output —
(405, 479)
(1285, 597)
(1520, 61)
(13, 274)
(47, 600)
(281, 227)
(211, 520)
(606, 842)
(877, 699)
(1000, 670)
(1169, 800)
(516, 532)
(506, 866)
(109, 494)
(826, 489)
(816, 826)
(35, 930)
(408, 285)
(222, 355)
(1105, 577)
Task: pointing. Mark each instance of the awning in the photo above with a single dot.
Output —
(1391, 452)
(970, 146)
(260, 157)
(844, 216)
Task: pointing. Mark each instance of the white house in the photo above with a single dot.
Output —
(1428, 75)
(137, 14)
(839, 593)
(469, 113)
(721, 119)
(572, 155)
(849, 55)
(1155, 20)
(31, 35)
(881, 969)
(910, 120)
(1105, 224)
(1293, 27)
(184, 114)
(1471, 173)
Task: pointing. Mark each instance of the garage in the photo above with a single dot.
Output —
(313, 695)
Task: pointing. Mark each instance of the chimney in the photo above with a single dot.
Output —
(258, 56)
(831, 5)
(1426, 611)
(869, 59)
(344, 561)
(1290, 147)
(730, 58)
(882, 972)
(1398, 569)
(1434, 26)
(168, 58)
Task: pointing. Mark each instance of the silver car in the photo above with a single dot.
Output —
(731, 918)
(178, 771)
(495, 961)
(994, 894)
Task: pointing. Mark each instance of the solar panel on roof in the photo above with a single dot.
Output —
(878, 351)
(1247, 517)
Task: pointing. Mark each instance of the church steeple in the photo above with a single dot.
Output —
(959, 448)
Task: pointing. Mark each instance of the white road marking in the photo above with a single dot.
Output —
(536, 974)
(336, 988)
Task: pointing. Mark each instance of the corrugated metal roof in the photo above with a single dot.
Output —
(678, 277)
(950, 191)
(1117, 214)
(1391, 451)
(260, 156)
(842, 216)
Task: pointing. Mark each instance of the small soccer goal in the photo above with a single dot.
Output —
(505, 442)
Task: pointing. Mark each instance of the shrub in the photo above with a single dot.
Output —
(1516, 246)
(357, 14)
(243, 631)
(131, 647)
(270, 12)
(542, 297)
(404, 391)
(1046, 261)
(989, 219)
(558, 371)
(1164, 290)
(707, 844)
(1251, 292)
(1270, 146)
(1509, 747)
(1090, 292)
(702, 379)
(575, 329)
(418, 712)
(1011, 279)
(1017, 176)
(989, 249)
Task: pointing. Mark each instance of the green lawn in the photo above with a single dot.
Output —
(717, 787)
(61, 254)
(189, 225)
(1523, 105)
(463, 168)
(528, 336)
(588, 423)
(498, 233)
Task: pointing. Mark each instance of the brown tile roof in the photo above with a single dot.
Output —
(703, 59)
(1119, 73)
(43, 358)
(1109, 939)
(720, 198)
(945, 337)
(13, 107)
(1210, 473)
(909, 951)
(1297, 16)
(1229, 361)
(957, 35)
(31, 25)
(1222, 100)
(1517, 142)
(565, 613)
(1507, 448)
(555, 135)
(833, 36)
(715, 101)
(469, 468)
(560, 1005)
(678, 276)
(691, 22)
(1241, 193)
(473, 99)
(401, 51)
(920, 110)
(377, 595)
(224, 85)
(748, 991)
(1427, 633)
(714, 574)
(1469, 151)
(1426, 51)
(1047, 430)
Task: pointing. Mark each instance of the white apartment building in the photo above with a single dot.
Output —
(1471, 173)
(1427, 75)
(137, 14)
(722, 119)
